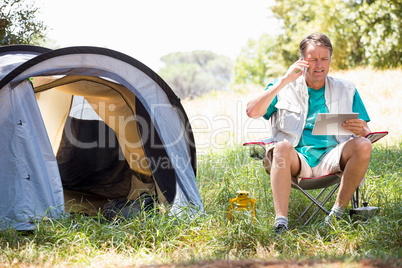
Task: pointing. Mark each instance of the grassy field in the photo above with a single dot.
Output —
(224, 166)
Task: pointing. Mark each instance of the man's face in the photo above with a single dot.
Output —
(319, 60)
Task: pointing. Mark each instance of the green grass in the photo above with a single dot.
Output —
(156, 238)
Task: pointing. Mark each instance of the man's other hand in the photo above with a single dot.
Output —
(358, 127)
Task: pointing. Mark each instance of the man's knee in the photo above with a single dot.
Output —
(358, 149)
(283, 148)
(278, 155)
(363, 147)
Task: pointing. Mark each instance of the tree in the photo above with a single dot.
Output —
(18, 24)
(192, 74)
(363, 33)
(380, 32)
(259, 61)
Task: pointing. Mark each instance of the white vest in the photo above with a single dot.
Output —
(292, 107)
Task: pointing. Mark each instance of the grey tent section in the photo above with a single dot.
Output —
(81, 126)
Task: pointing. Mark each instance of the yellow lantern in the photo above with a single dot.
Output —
(242, 202)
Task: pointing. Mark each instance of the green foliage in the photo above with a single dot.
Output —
(18, 24)
(380, 33)
(192, 74)
(363, 33)
(259, 61)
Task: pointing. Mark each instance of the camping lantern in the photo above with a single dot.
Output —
(242, 202)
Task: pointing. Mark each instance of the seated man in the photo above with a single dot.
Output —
(293, 102)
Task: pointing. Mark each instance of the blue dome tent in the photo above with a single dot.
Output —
(81, 126)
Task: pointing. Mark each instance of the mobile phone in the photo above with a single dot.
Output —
(304, 68)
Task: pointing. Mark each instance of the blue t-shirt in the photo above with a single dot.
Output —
(314, 147)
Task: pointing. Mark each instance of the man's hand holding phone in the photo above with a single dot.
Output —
(296, 70)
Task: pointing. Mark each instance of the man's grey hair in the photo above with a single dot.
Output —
(317, 39)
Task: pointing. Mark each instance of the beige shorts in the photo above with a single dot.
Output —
(329, 164)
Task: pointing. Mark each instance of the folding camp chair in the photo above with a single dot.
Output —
(258, 149)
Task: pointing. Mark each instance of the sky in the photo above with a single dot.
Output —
(149, 29)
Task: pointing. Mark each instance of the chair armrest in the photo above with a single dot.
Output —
(262, 142)
(375, 136)
(259, 147)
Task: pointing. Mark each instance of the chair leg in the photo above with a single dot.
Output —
(323, 203)
(312, 203)
(315, 201)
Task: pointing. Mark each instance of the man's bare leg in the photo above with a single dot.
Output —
(354, 163)
(285, 164)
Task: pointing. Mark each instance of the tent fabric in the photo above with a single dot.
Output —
(100, 95)
(97, 170)
(13, 56)
(29, 172)
(79, 93)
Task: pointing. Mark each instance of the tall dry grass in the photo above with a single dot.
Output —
(381, 92)
(219, 118)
